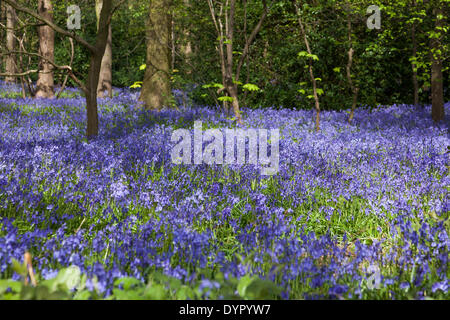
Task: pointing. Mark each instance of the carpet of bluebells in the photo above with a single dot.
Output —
(355, 211)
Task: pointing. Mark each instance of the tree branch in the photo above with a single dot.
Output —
(30, 12)
(6, 74)
(251, 39)
(114, 10)
(72, 51)
(65, 67)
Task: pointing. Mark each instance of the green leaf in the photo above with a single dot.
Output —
(244, 282)
(142, 66)
(42, 293)
(251, 87)
(212, 85)
(155, 292)
(19, 268)
(15, 286)
(27, 293)
(127, 282)
(313, 56)
(184, 293)
(137, 84)
(69, 277)
(82, 295)
(225, 98)
(262, 289)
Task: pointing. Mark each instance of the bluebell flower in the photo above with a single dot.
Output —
(443, 286)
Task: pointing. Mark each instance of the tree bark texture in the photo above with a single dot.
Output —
(94, 69)
(156, 88)
(45, 82)
(105, 81)
(437, 83)
(10, 63)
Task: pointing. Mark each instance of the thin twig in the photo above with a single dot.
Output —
(28, 262)
(70, 65)
(81, 224)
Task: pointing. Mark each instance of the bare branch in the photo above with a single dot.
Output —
(6, 74)
(70, 64)
(65, 67)
(114, 10)
(250, 40)
(30, 12)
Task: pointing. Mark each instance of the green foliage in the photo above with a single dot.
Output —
(308, 92)
(304, 54)
(70, 284)
(382, 66)
(225, 99)
(213, 85)
(136, 84)
(251, 87)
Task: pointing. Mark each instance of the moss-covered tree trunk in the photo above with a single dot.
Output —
(156, 91)
(45, 82)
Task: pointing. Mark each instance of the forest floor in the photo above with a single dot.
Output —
(358, 211)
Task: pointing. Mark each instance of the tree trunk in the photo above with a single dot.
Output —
(186, 48)
(172, 42)
(10, 63)
(3, 20)
(156, 90)
(437, 83)
(414, 63)
(251, 39)
(311, 73)
(94, 70)
(219, 28)
(105, 81)
(45, 82)
(96, 55)
(353, 88)
(230, 86)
